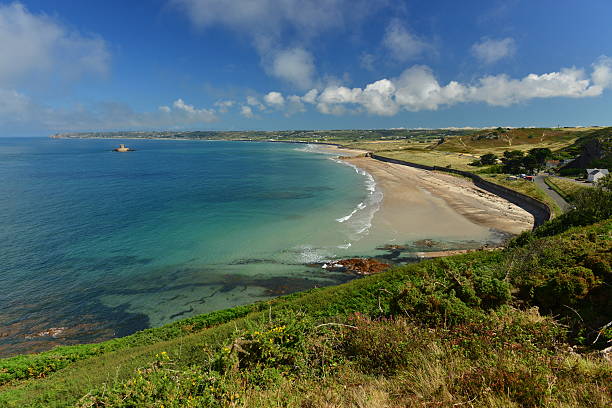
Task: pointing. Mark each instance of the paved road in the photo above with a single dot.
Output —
(564, 205)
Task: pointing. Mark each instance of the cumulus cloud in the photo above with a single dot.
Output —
(418, 89)
(311, 96)
(34, 44)
(602, 72)
(189, 114)
(253, 101)
(490, 51)
(224, 105)
(246, 111)
(295, 66)
(274, 99)
(402, 44)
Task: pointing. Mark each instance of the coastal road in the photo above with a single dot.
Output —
(564, 205)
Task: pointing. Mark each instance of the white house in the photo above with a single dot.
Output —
(593, 175)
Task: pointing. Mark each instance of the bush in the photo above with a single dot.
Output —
(568, 286)
(382, 346)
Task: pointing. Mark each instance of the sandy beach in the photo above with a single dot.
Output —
(434, 204)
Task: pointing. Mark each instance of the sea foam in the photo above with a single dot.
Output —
(360, 218)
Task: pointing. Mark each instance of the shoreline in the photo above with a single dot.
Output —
(478, 206)
(417, 200)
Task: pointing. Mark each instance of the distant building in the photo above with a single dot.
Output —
(593, 175)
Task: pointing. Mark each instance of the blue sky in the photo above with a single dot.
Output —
(291, 64)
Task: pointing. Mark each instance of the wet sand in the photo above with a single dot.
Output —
(434, 204)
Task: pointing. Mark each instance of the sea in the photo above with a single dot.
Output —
(96, 244)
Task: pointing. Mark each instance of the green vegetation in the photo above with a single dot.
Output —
(322, 136)
(565, 188)
(593, 149)
(42, 364)
(499, 140)
(520, 326)
(513, 327)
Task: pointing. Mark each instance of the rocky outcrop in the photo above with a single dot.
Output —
(358, 266)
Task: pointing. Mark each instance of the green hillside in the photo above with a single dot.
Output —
(500, 139)
(513, 327)
(592, 150)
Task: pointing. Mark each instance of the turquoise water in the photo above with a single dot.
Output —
(96, 244)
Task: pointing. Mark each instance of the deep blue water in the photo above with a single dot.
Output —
(96, 244)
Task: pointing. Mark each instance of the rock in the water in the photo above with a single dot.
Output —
(359, 266)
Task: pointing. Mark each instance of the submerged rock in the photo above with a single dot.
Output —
(52, 332)
(427, 243)
(359, 266)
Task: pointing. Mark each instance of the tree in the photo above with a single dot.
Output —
(488, 159)
(538, 157)
(541, 154)
(530, 164)
(513, 161)
(512, 154)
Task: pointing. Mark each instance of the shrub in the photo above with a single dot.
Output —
(383, 346)
(567, 286)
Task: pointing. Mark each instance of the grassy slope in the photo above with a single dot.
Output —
(445, 331)
(565, 188)
(603, 136)
(494, 141)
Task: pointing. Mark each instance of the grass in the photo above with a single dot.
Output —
(526, 187)
(565, 188)
(474, 328)
(497, 141)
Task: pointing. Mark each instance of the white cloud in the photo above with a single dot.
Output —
(295, 66)
(377, 98)
(246, 111)
(274, 99)
(35, 44)
(311, 96)
(417, 89)
(602, 72)
(490, 51)
(402, 44)
(224, 105)
(253, 101)
(265, 20)
(295, 104)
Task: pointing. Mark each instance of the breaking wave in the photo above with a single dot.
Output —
(360, 218)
